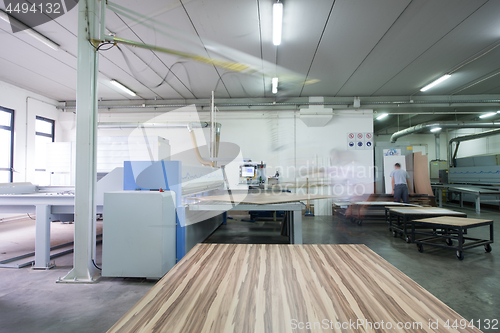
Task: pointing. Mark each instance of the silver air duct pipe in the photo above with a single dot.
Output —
(452, 155)
(438, 147)
(443, 125)
(120, 125)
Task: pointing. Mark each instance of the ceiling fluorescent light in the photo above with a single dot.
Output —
(277, 22)
(438, 81)
(274, 82)
(436, 129)
(122, 87)
(33, 33)
(382, 116)
(487, 115)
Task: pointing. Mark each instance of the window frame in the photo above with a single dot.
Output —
(11, 129)
(52, 135)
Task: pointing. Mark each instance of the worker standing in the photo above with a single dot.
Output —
(400, 184)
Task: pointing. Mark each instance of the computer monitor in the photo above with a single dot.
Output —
(247, 171)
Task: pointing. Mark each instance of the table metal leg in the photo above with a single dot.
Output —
(296, 236)
(460, 239)
(42, 237)
(461, 199)
(491, 232)
(478, 204)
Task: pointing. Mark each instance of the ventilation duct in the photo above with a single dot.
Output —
(317, 115)
(443, 125)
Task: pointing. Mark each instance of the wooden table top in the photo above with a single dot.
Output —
(424, 211)
(453, 221)
(264, 198)
(270, 288)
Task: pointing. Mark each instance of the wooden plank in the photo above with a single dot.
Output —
(453, 221)
(421, 174)
(383, 203)
(264, 198)
(424, 211)
(269, 288)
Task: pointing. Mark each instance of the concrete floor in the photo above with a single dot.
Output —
(31, 301)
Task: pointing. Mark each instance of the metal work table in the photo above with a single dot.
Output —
(359, 211)
(405, 215)
(293, 216)
(270, 287)
(477, 191)
(47, 207)
(454, 230)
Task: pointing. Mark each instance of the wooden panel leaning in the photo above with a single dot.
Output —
(286, 288)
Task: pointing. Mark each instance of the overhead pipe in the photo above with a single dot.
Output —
(124, 125)
(443, 125)
(367, 102)
(452, 155)
(438, 147)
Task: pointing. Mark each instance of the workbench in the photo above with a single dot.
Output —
(454, 228)
(476, 191)
(293, 213)
(48, 207)
(405, 215)
(357, 212)
(281, 288)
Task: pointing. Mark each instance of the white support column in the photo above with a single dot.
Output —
(84, 270)
(42, 237)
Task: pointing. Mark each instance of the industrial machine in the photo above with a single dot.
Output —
(253, 174)
(435, 167)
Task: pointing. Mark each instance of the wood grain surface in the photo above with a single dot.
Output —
(421, 174)
(453, 221)
(278, 288)
(424, 211)
(264, 198)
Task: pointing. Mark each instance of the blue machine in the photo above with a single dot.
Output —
(169, 176)
(156, 175)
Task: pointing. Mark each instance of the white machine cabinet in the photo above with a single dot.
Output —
(139, 234)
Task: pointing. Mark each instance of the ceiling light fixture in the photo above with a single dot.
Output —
(33, 33)
(122, 87)
(274, 82)
(277, 22)
(438, 81)
(382, 116)
(487, 115)
(436, 129)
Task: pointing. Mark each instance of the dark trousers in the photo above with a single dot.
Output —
(401, 193)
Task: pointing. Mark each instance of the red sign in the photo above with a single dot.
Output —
(360, 135)
(368, 135)
(351, 135)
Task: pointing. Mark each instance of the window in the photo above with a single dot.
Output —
(6, 145)
(44, 134)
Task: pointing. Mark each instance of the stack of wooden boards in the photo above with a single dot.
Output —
(418, 166)
(342, 209)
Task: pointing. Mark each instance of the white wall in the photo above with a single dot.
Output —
(280, 139)
(419, 141)
(488, 145)
(27, 105)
